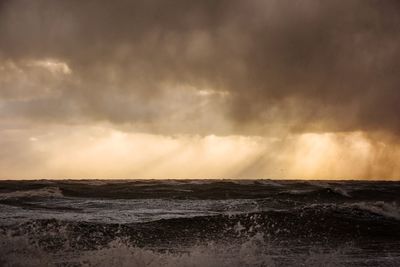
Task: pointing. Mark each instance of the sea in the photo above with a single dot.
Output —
(199, 223)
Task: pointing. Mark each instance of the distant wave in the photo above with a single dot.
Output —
(320, 192)
(204, 189)
(46, 192)
(336, 189)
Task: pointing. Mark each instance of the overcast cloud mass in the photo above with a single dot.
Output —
(200, 89)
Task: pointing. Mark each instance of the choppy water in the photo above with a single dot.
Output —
(199, 223)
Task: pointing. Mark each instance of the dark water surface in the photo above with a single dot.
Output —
(199, 223)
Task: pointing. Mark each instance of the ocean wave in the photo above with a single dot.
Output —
(333, 187)
(389, 210)
(299, 191)
(45, 192)
(253, 251)
(316, 222)
(318, 192)
(256, 250)
(206, 189)
(197, 223)
(243, 239)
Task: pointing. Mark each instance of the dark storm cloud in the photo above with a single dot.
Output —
(311, 65)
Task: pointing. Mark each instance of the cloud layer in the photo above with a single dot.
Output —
(225, 67)
(315, 65)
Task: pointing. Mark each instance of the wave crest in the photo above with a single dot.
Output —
(46, 192)
(389, 210)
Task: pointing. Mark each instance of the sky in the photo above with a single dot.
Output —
(277, 89)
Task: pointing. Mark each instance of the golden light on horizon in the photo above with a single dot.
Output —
(104, 152)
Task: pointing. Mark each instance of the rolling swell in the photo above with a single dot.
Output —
(203, 189)
(323, 224)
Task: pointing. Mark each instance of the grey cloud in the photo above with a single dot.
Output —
(309, 65)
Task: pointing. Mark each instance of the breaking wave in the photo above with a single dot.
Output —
(252, 251)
